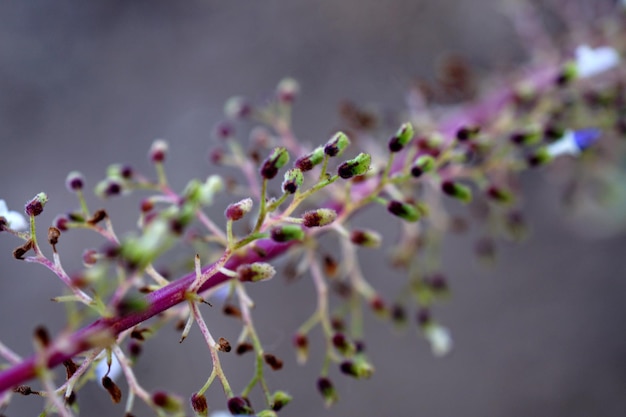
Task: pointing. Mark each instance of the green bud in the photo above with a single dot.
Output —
(456, 190)
(213, 185)
(403, 136)
(358, 368)
(266, 413)
(192, 191)
(318, 218)
(568, 73)
(540, 157)
(293, 180)
(167, 402)
(237, 210)
(337, 144)
(365, 238)
(499, 194)
(423, 164)
(287, 232)
(277, 159)
(307, 162)
(328, 391)
(355, 167)
(280, 399)
(405, 211)
(258, 271)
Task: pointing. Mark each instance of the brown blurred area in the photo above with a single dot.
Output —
(86, 84)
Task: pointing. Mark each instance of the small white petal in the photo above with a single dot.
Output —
(221, 413)
(102, 367)
(15, 219)
(563, 146)
(440, 340)
(590, 62)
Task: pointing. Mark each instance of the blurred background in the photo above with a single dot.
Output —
(86, 84)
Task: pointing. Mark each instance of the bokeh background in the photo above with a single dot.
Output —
(85, 84)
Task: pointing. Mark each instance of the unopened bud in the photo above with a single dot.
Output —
(267, 413)
(237, 108)
(158, 150)
(109, 187)
(457, 190)
(540, 157)
(223, 345)
(301, 343)
(120, 171)
(405, 211)
(358, 368)
(526, 137)
(499, 194)
(277, 159)
(35, 206)
(280, 399)
(167, 402)
(237, 210)
(273, 362)
(318, 218)
(467, 132)
(343, 345)
(337, 144)
(328, 391)
(403, 136)
(286, 233)
(287, 90)
(53, 236)
(111, 387)
(243, 348)
(355, 167)
(223, 130)
(307, 162)
(74, 181)
(199, 405)
(293, 180)
(365, 238)
(255, 272)
(423, 164)
(240, 406)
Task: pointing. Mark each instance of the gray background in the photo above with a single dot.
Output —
(85, 84)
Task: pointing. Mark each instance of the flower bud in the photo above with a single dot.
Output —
(237, 108)
(255, 272)
(240, 406)
(35, 206)
(199, 405)
(358, 368)
(405, 211)
(307, 162)
(223, 131)
(337, 144)
(402, 138)
(365, 238)
(286, 233)
(540, 157)
(466, 133)
(74, 181)
(301, 343)
(158, 150)
(423, 164)
(318, 218)
(273, 362)
(243, 348)
(109, 187)
(343, 345)
(526, 137)
(53, 236)
(457, 190)
(120, 171)
(237, 210)
(111, 387)
(293, 180)
(277, 159)
(328, 391)
(280, 399)
(167, 402)
(499, 194)
(287, 90)
(355, 167)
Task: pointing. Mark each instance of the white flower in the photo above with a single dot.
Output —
(103, 367)
(590, 62)
(15, 219)
(573, 142)
(440, 339)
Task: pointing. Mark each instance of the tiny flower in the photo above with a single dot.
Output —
(318, 218)
(355, 167)
(328, 391)
(439, 338)
(301, 343)
(35, 206)
(158, 150)
(286, 233)
(287, 90)
(74, 181)
(358, 368)
(337, 144)
(365, 238)
(223, 131)
(237, 210)
(277, 159)
(240, 405)
(167, 402)
(467, 132)
(124, 172)
(292, 181)
(237, 108)
(273, 362)
(574, 142)
(12, 219)
(307, 162)
(423, 164)
(405, 211)
(499, 194)
(200, 405)
(280, 399)
(590, 62)
(457, 190)
(255, 272)
(402, 138)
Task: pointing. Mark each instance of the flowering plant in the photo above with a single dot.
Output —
(291, 194)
